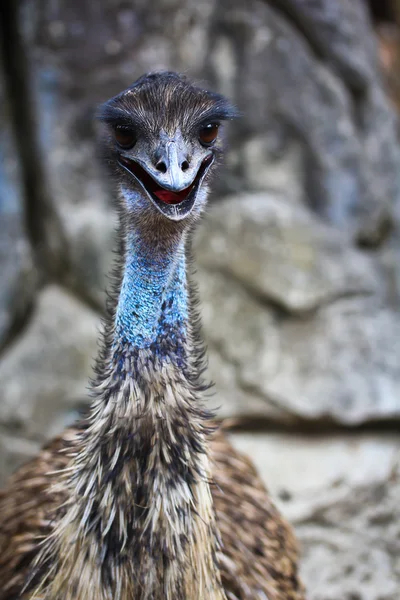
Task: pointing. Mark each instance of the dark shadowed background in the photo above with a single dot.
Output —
(298, 259)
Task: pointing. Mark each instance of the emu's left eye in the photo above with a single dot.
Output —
(208, 134)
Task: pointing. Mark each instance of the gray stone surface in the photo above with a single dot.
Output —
(44, 375)
(299, 312)
(77, 184)
(340, 32)
(341, 493)
(16, 265)
(294, 89)
(283, 253)
(90, 229)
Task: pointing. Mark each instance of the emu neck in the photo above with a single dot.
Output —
(152, 310)
(141, 506)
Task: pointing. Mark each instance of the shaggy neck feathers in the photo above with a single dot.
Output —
(140, 510)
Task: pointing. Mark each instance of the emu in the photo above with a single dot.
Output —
(145, 499)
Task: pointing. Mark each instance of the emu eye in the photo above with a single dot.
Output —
(208, 134)
(125, 138)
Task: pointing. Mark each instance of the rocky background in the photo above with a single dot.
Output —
(298, 259)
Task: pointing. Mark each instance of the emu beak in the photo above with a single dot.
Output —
(175, 167)
(172, 184)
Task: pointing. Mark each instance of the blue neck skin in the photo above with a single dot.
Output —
(152, 309)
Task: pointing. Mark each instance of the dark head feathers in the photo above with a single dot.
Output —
(165, 100)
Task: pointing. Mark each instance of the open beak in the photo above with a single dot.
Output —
(172, 190)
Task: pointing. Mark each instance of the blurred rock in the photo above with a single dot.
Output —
(90, 229)
(283, 253)
(339, 32)
(18, 277)
(77, 184)
(307, 76)
(342, 365)
(242, 341)
(52, 361)
(299, 312)
(344, 507)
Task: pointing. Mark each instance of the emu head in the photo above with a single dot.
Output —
(162, 140)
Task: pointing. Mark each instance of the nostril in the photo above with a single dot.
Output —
(161, 166)
(185, 165)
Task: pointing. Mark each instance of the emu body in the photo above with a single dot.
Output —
(143, 500)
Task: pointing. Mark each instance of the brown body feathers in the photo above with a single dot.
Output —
(258, 557)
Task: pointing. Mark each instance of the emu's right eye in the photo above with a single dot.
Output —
(125, 138)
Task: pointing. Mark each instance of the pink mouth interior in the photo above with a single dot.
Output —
(172, 197)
